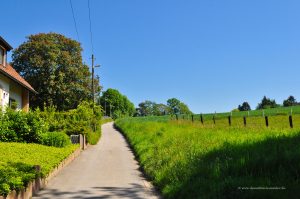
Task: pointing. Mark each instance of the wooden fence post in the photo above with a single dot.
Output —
(201, 118)
(291, 121)
(245, 121)
(214, 119)
(177, 117)
(229, 120)
(267, 121)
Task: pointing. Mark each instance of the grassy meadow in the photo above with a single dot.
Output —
(191, 160)
(253, 113)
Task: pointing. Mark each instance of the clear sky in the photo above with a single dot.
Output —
(210, 54)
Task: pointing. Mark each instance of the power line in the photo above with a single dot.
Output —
(91, 27)
(74, 20)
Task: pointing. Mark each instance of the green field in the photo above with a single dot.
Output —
(295, 110)
(191, 160)
(17, 161)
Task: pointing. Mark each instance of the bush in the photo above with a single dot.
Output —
(93, 137)
(57, 139)
(18, 126)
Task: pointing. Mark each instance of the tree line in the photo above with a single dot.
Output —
(117, 105)
(268, 103)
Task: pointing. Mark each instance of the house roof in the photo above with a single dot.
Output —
(11, 73)
(5, 44)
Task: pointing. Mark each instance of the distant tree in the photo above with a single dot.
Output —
(266, 103)
(115, 104)
(174, 104)
(290, 101)
(244, 107)
(178, 107)
(52, 64)
(161, 109)
(146, 108)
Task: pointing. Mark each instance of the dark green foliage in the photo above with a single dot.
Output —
(57, 139)
(267, 103)
(115, 104)
(52, 64)
(244, 107)
(290, 101)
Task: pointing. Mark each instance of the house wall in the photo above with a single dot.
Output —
(4, 90)
(10, 89)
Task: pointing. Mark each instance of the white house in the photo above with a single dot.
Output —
(13, 88)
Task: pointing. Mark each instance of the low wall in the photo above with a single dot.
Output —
(40, 183)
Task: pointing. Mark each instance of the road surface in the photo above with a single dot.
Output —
(106, 170)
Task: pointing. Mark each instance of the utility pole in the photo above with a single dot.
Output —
(93, 90)
(93, 72)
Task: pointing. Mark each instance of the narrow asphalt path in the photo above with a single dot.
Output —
(106, 170)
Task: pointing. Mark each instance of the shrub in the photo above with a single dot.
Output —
(21, 127)
(93, 137)
(57, 139)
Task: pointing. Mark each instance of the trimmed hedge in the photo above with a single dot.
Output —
(17, 162)
(57, 139)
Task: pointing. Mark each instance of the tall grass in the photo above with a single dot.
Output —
(190, 160)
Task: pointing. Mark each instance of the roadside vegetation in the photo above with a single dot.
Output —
(23, 137)
(17, 161)
(191, 160)
(51, 127)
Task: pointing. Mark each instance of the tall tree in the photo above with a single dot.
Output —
(178, 107)
(173, 104)
(146, 108)
(266, 103)
(52, 64)
(290, 101)
(115, 104)
(244, 107)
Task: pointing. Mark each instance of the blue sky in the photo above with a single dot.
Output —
(210, 54)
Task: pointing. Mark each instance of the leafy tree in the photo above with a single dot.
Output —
(115, 104)
(177, 107)
(290, 101)
(52, 64)
(146, 108)
(173, 104)
(266, 103)
(161, 109)
(244, 107)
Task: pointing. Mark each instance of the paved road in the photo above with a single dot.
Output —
(106, 170)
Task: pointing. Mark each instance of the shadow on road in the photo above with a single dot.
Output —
(132, 191)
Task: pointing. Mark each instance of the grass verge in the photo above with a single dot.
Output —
(188, 160)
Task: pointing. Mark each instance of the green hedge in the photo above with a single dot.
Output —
(33, 127)
(17, 162)
(57, 139)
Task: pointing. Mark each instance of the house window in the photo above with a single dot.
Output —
(1, 56)
(12, 104)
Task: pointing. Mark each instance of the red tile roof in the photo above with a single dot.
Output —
(10, 72)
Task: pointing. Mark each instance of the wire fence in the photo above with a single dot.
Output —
(264, 119)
